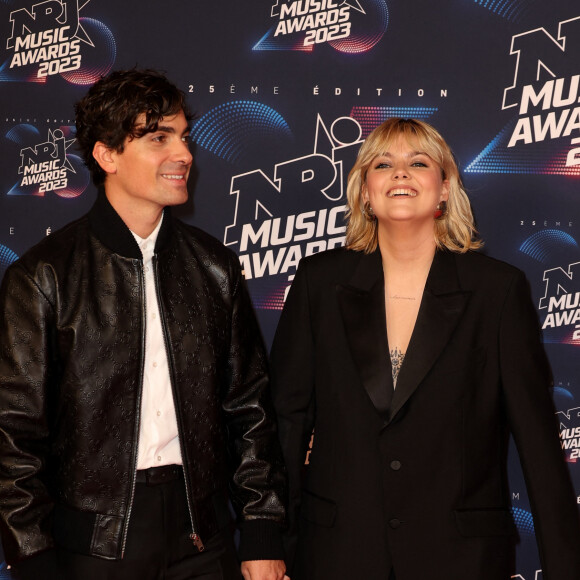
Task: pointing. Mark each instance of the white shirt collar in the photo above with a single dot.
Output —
(147, 245)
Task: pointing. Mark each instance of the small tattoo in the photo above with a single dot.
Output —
(397, 357)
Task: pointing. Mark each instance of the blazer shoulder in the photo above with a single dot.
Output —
(476, 264)
(489, 277)
(331, 262)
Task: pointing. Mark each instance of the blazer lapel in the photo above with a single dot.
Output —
(362, 306)
(441, 308)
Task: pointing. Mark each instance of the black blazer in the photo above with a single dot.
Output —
(417, 483)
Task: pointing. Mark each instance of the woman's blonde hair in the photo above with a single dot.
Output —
(455, 230)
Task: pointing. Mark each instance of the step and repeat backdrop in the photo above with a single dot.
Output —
(284, 93)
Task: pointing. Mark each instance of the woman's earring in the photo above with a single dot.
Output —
(368, 212)
(440, 210)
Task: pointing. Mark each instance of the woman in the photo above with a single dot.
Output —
(412, 357)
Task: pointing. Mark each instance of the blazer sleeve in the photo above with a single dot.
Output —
(293, 377)
(26, 375)
(525, 376)
(258, 482)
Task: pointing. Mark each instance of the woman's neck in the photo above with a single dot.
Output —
(410, 253)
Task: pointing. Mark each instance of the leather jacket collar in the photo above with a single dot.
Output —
(110, 229)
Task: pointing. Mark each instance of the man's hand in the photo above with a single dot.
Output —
(264, 570)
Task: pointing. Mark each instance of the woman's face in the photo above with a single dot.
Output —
(404, 184)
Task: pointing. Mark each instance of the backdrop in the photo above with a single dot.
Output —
(285, 91)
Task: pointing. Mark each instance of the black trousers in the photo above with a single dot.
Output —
(158, 545)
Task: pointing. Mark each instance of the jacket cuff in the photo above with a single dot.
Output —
(261, 539)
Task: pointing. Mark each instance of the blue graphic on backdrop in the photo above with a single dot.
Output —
(562, 394)
(547, 245)
(237, 131)
(7, 256)
(370, 117)
(511, 10)
(4, 572)
(524, 522)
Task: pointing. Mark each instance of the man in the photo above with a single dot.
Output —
(133, 382)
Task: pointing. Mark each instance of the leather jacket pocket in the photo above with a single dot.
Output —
(318, 510)
(485, 523)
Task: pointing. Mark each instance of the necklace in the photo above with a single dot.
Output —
(397, 297)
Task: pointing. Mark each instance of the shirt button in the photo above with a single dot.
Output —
(154, 365)
(154, 316)
(159, 458)
(146, 268)
(395, 465)
(159, 413)
(395, 523)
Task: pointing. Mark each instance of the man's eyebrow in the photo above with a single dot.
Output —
(165, 128)
(172, 130)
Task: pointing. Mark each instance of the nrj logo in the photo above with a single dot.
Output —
(537, 575)
(569, 423)
(297, 212)
(346, 25)
(546, 87)
(45, 166)
(561, 300)
(48, 35)
(51, 38)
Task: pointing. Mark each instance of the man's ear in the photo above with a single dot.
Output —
(105, 157)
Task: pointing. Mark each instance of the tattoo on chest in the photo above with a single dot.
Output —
(397, 357)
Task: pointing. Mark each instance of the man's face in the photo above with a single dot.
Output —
(151, 172)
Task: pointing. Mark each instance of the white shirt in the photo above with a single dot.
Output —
(158, 435)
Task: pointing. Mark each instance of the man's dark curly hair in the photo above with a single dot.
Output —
(109, 111)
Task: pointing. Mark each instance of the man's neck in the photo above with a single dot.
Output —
(139, 218)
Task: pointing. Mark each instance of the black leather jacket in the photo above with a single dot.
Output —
(71, 367)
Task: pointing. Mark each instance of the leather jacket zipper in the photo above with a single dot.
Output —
(194, 536)
(197, 541)
(137, 411)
